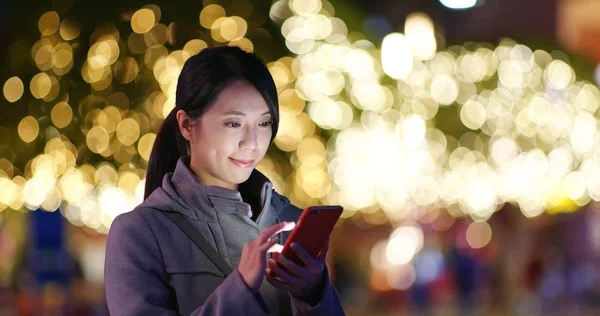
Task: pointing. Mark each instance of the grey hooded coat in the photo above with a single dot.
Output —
(153, 268)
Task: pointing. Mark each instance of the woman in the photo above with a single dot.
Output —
(202, 166)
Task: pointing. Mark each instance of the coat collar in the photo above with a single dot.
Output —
(181, 192)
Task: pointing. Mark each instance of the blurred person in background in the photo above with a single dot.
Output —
(202, 166)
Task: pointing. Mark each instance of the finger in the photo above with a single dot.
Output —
(323, 252)
(278, 284)
(270, 243)
(308, 260)
(277, 248)
(280, 273)
(272, 274)
(274, 229)
(294, 289)
(294, 269)
(298, 285)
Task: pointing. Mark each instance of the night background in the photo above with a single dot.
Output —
(460, 136)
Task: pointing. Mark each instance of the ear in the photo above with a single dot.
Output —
(185, 124)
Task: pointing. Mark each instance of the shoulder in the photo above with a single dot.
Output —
(141, 222)
(284, 208)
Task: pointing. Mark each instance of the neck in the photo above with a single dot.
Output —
(207, 179)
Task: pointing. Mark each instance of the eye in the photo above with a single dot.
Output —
(233, 124)
(266, 123)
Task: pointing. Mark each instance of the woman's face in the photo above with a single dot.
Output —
(231, 138)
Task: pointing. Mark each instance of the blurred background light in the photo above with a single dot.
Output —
(459, 4)
(411, 135)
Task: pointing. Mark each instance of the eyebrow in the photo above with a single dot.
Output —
(240, 113)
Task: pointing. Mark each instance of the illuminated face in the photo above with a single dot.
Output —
(231, 138)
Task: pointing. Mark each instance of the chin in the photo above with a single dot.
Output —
(239, 178)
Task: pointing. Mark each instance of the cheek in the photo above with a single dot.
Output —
(264, 140)
(207, 142)
(220, 143)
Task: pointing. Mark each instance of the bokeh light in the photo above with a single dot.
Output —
(458, 4)
(478, 234)
(143, 20)
(28, 129)
(61, 114)
(13, 89)
(359, 120)
(48, 23)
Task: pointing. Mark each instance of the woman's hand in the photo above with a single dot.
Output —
(252, 263)
(299, 281)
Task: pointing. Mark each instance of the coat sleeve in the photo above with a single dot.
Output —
(136, 281)
(330, 303)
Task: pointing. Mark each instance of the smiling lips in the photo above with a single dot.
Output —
(242, 163)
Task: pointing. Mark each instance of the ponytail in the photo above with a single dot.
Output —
(168, 147)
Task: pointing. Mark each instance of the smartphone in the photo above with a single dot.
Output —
(312, 230)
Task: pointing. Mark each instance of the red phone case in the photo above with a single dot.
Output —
(312, 230)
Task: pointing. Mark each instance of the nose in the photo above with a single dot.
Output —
(249, 139)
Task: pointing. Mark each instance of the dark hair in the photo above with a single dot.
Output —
(202, 79)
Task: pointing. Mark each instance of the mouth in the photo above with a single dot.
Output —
(242, 163)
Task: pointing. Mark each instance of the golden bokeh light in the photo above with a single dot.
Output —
(153, 54)
(126, 71)
(40, 85)
(128, 182)
(136, 43)
(231, 28)
(73, 186)
(210, 14)
(243, 43)
(61, 114)
(360, 121)
(156, 10)
(70, 28)
(473, 114)
(35, 191)
(279, 11)
(158, 35)
(10, 194)
(13, 89)
(28, 129)
(109, 118)
(105, 174)
(119, 100)
(48, 23)
(103, 53)
(143, 20)
(128, 131)
(54, 89)
(6, 167)
(216, 30)
(145, 145)
(97, 139)
(194, 46)
(123, 154)
(91, 74)
(306, 7)
(105, 80)
(62, 58)
(52, 201)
